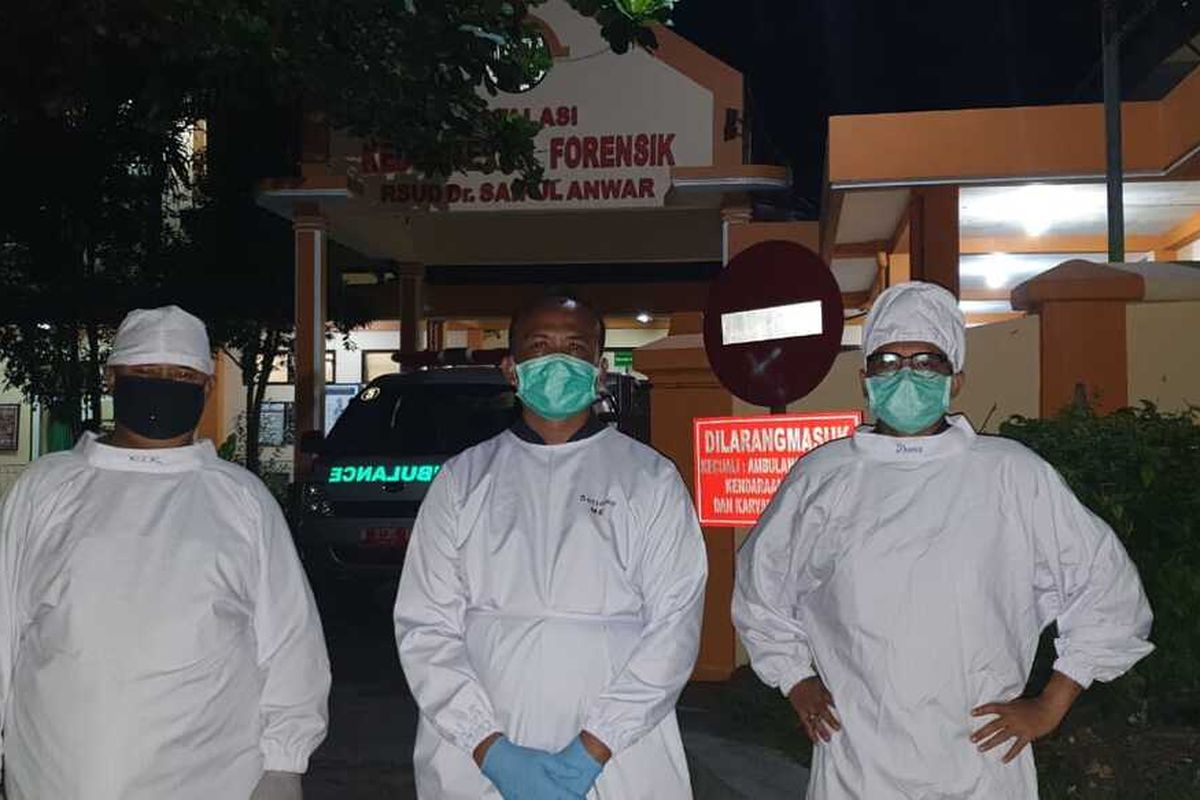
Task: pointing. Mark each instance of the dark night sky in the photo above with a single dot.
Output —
(806, 59)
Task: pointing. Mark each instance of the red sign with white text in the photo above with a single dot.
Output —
(741, 461)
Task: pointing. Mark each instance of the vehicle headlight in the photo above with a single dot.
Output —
(316, 502)
(321, 508)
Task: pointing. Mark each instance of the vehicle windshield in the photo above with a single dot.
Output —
(422, 420)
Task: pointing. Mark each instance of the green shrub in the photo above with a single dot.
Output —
(1139, 470)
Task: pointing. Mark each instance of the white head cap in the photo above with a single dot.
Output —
(918, 312)
(167, 335)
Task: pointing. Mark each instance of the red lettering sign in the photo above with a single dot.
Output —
(612, 151)
(554, 190)
(741, 461)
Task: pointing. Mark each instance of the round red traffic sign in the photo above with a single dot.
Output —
(774, 323)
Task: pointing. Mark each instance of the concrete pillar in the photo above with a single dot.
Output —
(736, 210)
(435, 334)
(1081, 307)
(412, 306)
(310, 229)
(212, 422)
(742, 235)
(684, 387)
(934, 236)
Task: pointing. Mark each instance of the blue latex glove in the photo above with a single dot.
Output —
(522, 773)
(575, 768)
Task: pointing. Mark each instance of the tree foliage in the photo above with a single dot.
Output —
(107, 209)
(1137, 470)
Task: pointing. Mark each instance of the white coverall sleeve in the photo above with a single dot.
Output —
(671, 575)
(15, 518)
(1086, 581)
(771, 584)
(291, 650)
(430, 617)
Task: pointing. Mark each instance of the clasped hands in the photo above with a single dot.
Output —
(523, 773)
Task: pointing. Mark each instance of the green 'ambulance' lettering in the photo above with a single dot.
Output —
(408, 473)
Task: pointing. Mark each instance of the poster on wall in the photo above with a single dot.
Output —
(741, 461)
(275, 425)
(10, 428)
(337, 398)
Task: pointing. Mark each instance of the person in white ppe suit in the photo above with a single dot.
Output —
(896, 587)
(158, 638)
(548, 614)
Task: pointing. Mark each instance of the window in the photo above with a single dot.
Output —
(283, 371)
(423, 420)
(330, 367)
(376, 363)
(277, 425)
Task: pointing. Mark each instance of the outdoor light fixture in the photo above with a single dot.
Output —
(644, 318)
(1036, 207)
(998, 271)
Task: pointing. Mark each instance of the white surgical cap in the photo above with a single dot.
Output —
(918, 312)
(167, 335)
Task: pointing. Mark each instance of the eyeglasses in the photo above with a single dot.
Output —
(891, 363)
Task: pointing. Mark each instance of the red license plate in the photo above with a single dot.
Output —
(385, 537)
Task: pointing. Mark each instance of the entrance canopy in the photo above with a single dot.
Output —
(644, 165)
(999, 196)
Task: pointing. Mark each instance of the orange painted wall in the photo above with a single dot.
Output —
(684, 388)
(722, 80)
(984, 143)
(1180, 112)
(1083, 342)
(1028, 142)
(212, 421)
(745, 235)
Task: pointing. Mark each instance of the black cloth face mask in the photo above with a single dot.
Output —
(157, 408)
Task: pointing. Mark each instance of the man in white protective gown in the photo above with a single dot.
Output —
(896, 587)
(158, 638)
(548, 614)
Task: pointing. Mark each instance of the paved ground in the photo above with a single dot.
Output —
(368, 755)
(373, 722)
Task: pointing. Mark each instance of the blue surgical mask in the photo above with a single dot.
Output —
(557, 386)
(909, 401)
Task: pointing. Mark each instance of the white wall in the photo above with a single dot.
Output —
(1163, 341)
(1190, 252)
(349, 361)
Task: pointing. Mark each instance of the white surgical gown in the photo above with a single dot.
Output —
(158, 638)
(549, 590)
(915, 576)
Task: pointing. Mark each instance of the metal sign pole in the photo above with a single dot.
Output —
(1112, 121)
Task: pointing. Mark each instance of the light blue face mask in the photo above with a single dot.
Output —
(909, 401)
(557, 386)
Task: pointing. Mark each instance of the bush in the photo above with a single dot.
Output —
(1138, 470)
